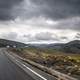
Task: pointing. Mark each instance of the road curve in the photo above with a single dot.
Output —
(15, 69)
(10, 71)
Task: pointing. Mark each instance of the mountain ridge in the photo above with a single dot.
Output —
(5, 43)
(70, 47)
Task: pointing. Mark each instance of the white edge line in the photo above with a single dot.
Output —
(30, 69)
(35, 72)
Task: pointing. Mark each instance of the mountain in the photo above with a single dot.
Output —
(4, 43)
(72, 47)
(45, 46)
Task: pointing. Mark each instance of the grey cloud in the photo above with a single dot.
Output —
(67, 12)
(58, 9)
(28, 37)
(77, 36)
(53, 9)
(10, 35)
(63, 38)
(25, 36)
(42, 36)
(45, 36)
(70, 24)
(6, 8)
(65, 24)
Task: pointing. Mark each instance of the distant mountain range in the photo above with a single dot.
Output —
(5, 43)
(71, 47)
(55, 45)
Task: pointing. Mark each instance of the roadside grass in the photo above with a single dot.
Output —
(67, 63)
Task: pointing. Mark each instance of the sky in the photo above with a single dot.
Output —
(40, 21)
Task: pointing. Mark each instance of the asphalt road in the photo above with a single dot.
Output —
(9, 70)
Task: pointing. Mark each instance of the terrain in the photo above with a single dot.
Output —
(5, 43)
(65, 58)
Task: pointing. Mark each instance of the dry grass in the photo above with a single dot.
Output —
(63, 62)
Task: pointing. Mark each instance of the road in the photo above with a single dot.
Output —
(15, 69)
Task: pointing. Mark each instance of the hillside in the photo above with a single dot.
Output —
(46, 46)
(67, 63)
(4, 43)
(72, 47)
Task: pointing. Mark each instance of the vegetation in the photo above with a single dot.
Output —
(5, 43)
(52, 58)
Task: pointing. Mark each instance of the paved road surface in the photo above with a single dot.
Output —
(10, 71)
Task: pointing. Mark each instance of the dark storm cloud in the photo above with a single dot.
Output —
(53, 9)
(65, 12)
(58, 9)
(6, 7)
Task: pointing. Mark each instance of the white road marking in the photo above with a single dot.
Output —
(30, 69)
(35, 72)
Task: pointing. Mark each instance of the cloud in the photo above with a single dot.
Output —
(77, 36)
(58, 9)
(50, 9)
(6, 8)
(40, 20)
(70, 24)
(45, 36)
(10, 35)
(64, 38)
